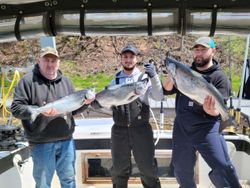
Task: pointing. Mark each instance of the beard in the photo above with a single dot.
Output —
(128, 68)
(201, 62)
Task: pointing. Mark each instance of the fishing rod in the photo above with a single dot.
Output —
(230, 71)
(161, 127)
(161, 77)
(231, 107)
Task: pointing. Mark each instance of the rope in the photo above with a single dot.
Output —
(5, 112)
(157, 127)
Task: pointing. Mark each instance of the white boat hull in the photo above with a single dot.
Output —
(92, 137)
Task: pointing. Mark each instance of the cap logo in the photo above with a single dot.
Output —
(205, 41)
(212, 44)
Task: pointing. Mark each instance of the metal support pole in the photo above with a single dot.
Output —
(243, 71)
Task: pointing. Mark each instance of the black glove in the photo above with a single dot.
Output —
(150, 70)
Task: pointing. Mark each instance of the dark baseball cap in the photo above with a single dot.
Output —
(130, 48)
(205, 41)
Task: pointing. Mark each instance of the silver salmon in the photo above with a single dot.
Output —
(196, 87)
(121, 94)
(66, 104)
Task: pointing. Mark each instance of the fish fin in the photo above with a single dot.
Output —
(132, 98)
(103, 110)
(32, 110)
(228, 123)
(95, 104)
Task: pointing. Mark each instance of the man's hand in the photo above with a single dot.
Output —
(88, 101)
(209, 106)
(168, 84)
(51, 112)
(150, 70)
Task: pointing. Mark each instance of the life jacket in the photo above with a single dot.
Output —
(132, 114)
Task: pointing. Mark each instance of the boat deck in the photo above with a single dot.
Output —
(56, 184)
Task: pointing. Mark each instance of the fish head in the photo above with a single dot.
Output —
(141, 86)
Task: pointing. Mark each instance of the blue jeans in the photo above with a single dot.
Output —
(205, 138)
(48, 157)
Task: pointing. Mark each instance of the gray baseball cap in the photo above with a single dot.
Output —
(130, 48)
(205, 41)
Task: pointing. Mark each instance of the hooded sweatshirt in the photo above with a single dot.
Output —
(34, 90)
(188, 111)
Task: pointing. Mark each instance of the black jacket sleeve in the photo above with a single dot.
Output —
(20, 105)
(221, 82)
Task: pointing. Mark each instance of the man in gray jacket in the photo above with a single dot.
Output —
(131, 130)
(50, 134)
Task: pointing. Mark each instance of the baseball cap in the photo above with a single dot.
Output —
(49, 50)
(205, 41)
(130, 48)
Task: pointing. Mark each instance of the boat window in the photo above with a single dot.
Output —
(7, 29)
(19, 2)
(116, 23)
(67, 23)
(164, 21)
(32, 27)
(233, 22)
(199, 22)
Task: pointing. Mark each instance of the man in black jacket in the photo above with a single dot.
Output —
(132, 132)
(196, 127)
(50, 134)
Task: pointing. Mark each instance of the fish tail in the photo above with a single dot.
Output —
(34, 113)
(230, 122)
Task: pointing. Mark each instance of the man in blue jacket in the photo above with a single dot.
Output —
(196, 127)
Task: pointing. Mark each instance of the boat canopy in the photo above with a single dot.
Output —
(24, 19)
